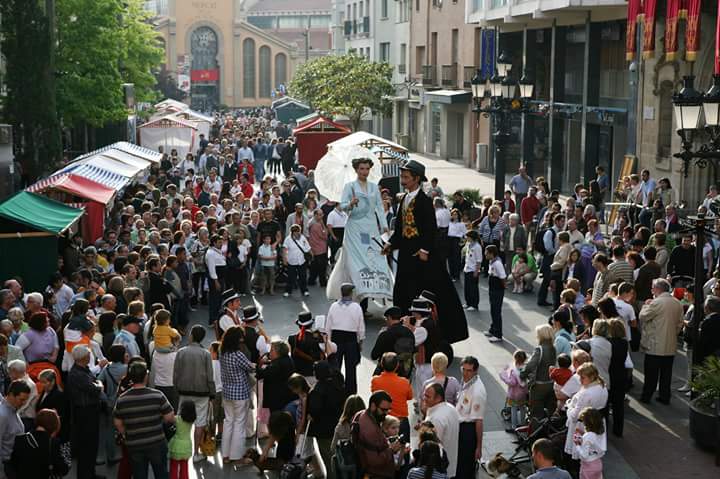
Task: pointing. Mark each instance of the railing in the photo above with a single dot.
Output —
(429, 75)
(402, 68)
(365, 26)
(348, 26)
(468, 74)
(449, 75)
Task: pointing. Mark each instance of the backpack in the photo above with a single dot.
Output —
(404, 347)
(346, 460)
(539, 244)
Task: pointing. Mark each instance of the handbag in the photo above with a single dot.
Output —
(306, 254)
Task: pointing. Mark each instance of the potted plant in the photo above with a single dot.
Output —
(704, 408)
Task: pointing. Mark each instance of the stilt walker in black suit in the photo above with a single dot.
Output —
(419, 266)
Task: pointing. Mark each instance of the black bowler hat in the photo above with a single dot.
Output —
(250, 314)
(414, 167)
(305, 318)
(420, 306)
(228, 296)
(429, 296)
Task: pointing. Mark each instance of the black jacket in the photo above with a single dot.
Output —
(325, 405)
(618, 374)
(159, 290)
(35, 455)
(57, 400)
(424, 215)
(385, 342)
(81, 388)
(708, 340)
(276, 394)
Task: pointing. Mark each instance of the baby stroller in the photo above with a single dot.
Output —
(550, 427)
(679, 285)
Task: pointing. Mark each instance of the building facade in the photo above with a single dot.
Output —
(225, 59)
(303, 23)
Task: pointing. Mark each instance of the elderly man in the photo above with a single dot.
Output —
(108, 303)
(84, 391)
(514, 236)
(471, 410)
(7, 301)
(17, 370)
(520, 185)
(662, 320)
(10, 424)
(446, 420)
(17, 291)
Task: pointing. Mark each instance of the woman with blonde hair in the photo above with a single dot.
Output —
(592, 394)
(537, 373)
(439, 363)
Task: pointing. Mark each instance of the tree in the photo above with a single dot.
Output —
(30, 104)
(167, 85)
(347, 85)
(141, 53)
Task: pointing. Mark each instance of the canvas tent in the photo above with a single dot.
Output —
(151, 156)
(169, 132)
(99, 175)
(29, 228)
(203, 122)
(288, 110)
(71, 188)
(313, 137)
(171, 105)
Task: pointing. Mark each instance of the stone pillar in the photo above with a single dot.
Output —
(557, 94)
(590, 134)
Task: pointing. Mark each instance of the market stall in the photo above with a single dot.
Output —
(312, 139)
(169, 132)
(70, 188)
(288, 110)
(29, 232)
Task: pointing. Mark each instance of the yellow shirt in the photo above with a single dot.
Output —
(164, 336)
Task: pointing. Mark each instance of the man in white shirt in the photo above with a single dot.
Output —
(470, 406)
(336, 221)
(623, 302)
(214, 182)
(442, 214)
(345, 323)
(446, 420)
(215, 262)
(295, 247)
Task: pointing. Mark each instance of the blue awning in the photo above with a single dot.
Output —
(98, 175)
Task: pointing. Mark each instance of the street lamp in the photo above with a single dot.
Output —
(501, 109)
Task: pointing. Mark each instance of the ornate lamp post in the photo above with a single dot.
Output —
(502, 106)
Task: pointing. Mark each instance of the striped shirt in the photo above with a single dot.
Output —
(141, 410)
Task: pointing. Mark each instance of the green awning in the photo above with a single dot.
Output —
(39, 212)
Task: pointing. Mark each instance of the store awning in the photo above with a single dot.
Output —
(126, 158)
(98, 175)
(75, 185)
(113, 165)
(39, 212)
(448, 97)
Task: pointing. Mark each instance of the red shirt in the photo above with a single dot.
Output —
(529, 208)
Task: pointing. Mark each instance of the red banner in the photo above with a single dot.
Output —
(649, 32)
(634, 9)
(717, 43)
(204, 75)
(671, 29)
(692, 30)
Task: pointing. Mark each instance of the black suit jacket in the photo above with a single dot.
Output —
(424, 221)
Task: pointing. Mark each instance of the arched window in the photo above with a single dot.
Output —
(280, 70)
(265, 73)
(665, 120)
(249, 68)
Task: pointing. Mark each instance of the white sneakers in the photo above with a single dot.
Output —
(494, 339)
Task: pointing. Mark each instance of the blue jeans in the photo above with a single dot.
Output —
(155, 457)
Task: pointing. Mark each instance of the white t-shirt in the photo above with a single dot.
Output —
(497, 269)
(627, 314)
(473, 257)
(442, 217)
(243, 250)
(296, 255)
(337, 219)
(457, 229)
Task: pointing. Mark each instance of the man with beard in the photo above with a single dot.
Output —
(419, 267)
(373, 449)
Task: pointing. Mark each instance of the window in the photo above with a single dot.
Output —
(383, 8)
(249, 68)
(665, 120)
(264, 56)
(385, 52)
(280, 69)
(319, 21)
(402, 61)
(266, 23)
(417, 5)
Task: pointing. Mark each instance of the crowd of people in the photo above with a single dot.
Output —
(104, 366)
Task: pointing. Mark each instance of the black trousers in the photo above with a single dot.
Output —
(467, 443)
(545, 270)
(348, 351)
(496, 301)
(657, 368)
(616, 402)
(336, 245)
(215, 297)
(86, 427)
(297, 276)
(454, 259)
(556, 276)
(472, 293)
(318, 270)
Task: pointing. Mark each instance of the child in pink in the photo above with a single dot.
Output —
(517, 390)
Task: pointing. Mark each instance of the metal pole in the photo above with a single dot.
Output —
(585, 87)
(551, 117)
(699, 306)
(523, 117)
(501, 137)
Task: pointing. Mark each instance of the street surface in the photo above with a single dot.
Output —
(656, 442)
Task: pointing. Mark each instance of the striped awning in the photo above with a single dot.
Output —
(129, 148)
(45, 183)
(98, 175)
(394, 154)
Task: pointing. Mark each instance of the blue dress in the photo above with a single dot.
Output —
(361, 261)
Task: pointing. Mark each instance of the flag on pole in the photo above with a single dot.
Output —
(671, 29)
(717, 43)
(634, 9)
(692, 30)
(649, 32)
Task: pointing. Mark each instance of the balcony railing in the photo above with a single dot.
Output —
(348, 27)
(429, 75)
(468, 74)
(402, 68)
(449, 75)
(365, 25)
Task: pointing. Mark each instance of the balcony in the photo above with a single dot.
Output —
(468, 74)
(402, 69)
(348, 26)
(429, 75)
(449, 75)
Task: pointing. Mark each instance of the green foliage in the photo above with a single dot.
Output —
(707, 381)
(30, 102)
(141, 53)
(472, 195)
(346, 85)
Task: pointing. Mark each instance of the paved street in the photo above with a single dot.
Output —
(656, 443)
